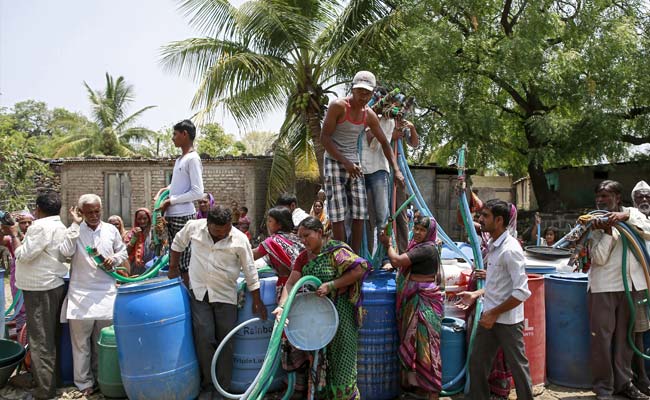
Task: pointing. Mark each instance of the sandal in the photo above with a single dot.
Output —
(88, 392)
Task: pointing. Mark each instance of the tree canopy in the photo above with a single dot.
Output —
(215, 142)
(527, 85)
(113, 132)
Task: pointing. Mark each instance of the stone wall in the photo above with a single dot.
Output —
(493, 187)
(243, 179)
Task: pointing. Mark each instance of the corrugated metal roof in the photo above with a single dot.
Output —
(150, 159)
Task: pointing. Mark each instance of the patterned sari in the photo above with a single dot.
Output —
(419, 319)
(283, 249)
(339, 363)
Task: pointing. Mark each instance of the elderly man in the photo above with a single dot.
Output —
(92, 291)
(219, 254)
(641, 199)
(611, 355)
(39, 273)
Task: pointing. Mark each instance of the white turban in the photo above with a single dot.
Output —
(642, 185)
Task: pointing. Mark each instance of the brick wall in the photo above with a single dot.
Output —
(243, 179)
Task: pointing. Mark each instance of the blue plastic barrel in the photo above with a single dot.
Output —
(377, 360)
(453, 350)
(567, 330)
(252, 341)
(153, 328)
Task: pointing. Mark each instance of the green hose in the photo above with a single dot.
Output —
(276, 336)
(154, 219)
(159, 264)
(152, 272)
(260, 384)
(17, 296)
(628, 295)
(389, 227)
(471, 233)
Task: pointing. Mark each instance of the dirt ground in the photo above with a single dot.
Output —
(551, 392)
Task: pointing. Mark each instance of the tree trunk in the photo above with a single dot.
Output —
(546, 200)
(314, 124)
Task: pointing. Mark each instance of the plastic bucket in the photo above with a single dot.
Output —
(307, 312)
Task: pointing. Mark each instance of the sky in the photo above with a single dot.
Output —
(49, 48)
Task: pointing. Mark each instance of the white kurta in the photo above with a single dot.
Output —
(92, 292)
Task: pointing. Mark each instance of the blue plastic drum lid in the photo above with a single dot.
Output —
(153, 328)
(251, 342)
(378, 364)
(567, 330)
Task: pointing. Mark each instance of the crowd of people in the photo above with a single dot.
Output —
(210, 246)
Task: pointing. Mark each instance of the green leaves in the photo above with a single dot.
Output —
(214, 142)
(525, 84)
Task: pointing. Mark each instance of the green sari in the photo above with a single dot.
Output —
(339, 362)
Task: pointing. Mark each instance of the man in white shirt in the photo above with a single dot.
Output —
(39, 273)
(185, 188)
(376, 172)
(502, 321)
(291, 202)
(641, 199)
(611, 355)
(92, 292)
(219, 253)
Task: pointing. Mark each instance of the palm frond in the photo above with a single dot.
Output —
(135, 134)
(381, 33)
(194, 57)
(131, 118)
(74, 148)
(212, 17)
(281, 176)
(247, 84)
(274, 26)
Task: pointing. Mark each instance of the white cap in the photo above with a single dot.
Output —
(364, 80)
(642, 185)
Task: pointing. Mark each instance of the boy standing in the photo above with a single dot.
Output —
(185, 188)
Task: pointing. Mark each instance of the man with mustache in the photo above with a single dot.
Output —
(609, 313)
(641, 198)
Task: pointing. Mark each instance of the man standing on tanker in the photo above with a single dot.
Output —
(345, 120)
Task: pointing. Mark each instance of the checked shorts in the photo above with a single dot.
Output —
(344, 192)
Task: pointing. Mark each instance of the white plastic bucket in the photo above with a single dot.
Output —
(313, 322)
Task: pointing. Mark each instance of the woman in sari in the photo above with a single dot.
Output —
(318, 211)
(138, 242)
(205, 204)
(342, 273)
(117, 222)
(419, 309)
(282, 248)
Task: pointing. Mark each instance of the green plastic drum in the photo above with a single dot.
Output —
(109, 378)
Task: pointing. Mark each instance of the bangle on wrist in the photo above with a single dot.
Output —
(331, 286)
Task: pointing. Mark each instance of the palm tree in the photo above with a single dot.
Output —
(268, 55)
(112, 132)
